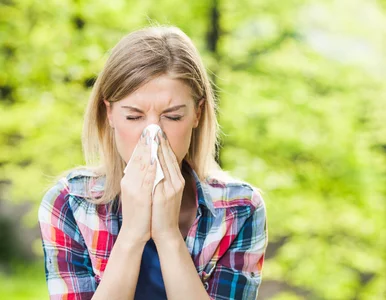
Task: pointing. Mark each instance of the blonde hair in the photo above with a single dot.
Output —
(137, 58)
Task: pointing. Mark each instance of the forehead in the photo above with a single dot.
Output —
(162, 91)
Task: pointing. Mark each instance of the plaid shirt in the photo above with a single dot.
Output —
(227, 241)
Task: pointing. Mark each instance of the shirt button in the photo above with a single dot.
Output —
(253, 274)
(206, 285)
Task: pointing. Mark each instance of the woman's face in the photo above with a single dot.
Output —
(163, 101)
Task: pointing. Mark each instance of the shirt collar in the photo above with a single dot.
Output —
(98, 183)
(204, 197)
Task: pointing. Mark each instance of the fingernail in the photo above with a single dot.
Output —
(164, 135)
(157, 139)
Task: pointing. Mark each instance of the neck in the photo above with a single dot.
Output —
(188, 197)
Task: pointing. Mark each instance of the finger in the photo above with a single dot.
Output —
(144, 143)
(144, 147)
(171, 160)
(174, 160)
(140, 157)
(159, 191)
(149, 177)
(163, 164)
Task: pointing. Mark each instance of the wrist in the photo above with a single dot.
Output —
(170, 237)
(128, 240)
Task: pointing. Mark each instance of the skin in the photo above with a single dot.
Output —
(178, 270)
(174, 256)
(153, 99)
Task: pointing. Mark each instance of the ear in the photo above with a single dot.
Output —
(198, 112)
(109, 112)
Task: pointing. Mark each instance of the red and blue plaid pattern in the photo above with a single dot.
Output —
(227, 241)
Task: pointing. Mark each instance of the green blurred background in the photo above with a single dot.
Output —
(301, 91)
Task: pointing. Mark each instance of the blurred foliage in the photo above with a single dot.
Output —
(24, 284)
(302, 105)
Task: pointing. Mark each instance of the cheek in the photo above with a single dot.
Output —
(125, 135)
(126, 140)
(179, 140)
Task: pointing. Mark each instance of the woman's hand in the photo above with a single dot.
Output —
(167, 195)
(136, 189)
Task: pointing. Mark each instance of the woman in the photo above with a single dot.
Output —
(202, 235)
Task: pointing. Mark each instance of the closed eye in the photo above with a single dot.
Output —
(174, 118)
(132, 118)
(177, 118)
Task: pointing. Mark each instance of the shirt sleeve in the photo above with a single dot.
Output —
(68, 268)
(238, 273)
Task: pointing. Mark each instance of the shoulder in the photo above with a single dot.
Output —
(228, 191)
(54, 200)
(85, 182)
(78, 183)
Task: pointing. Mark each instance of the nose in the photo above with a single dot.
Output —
(154, 121)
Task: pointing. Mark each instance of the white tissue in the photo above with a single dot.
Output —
(159, 175)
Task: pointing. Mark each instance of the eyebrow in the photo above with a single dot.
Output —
(170, 109)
